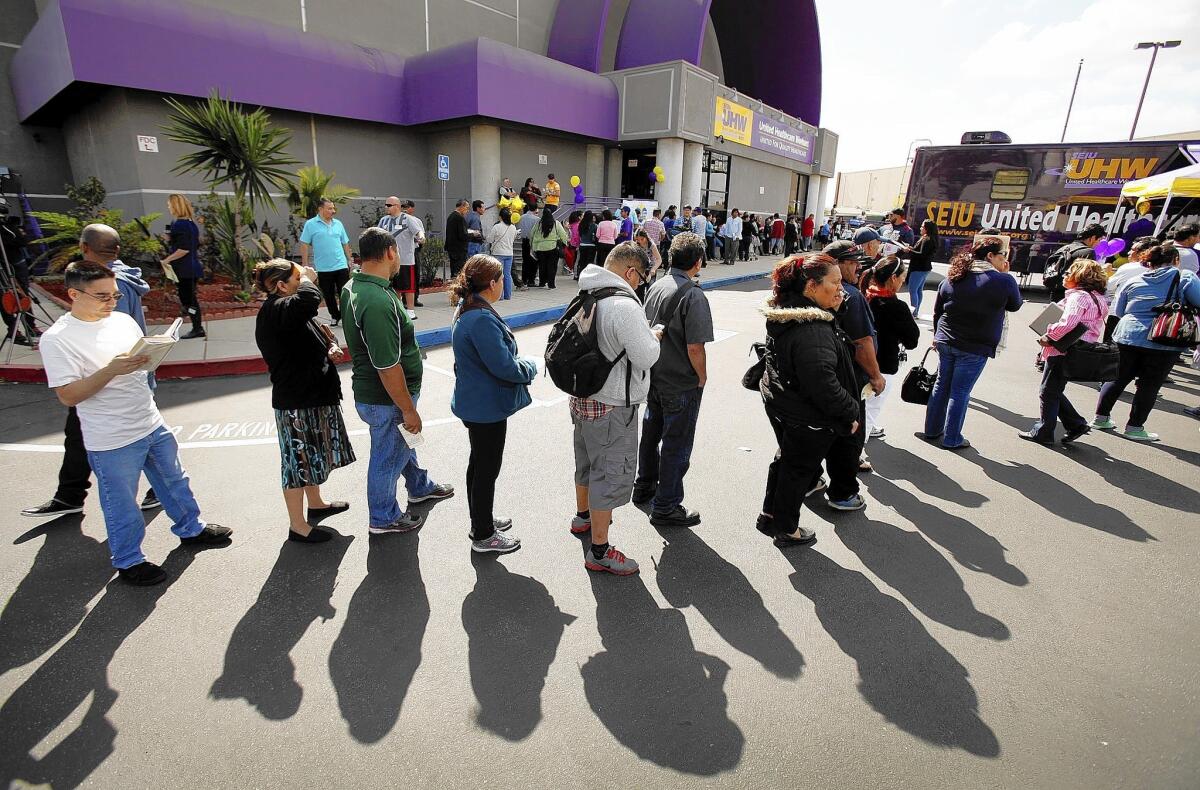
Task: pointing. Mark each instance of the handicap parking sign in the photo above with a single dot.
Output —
(443, 165)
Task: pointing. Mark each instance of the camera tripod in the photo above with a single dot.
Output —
(19, 301)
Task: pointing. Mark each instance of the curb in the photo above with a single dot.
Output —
(253, 365)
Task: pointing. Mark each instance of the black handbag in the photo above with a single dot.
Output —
(1092, 362)
(756, 371)
(918, 384)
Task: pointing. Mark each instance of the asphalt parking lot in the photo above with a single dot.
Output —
(1009, 616)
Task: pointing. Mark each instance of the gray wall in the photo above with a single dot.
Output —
(519, 151)
(399, 25)
(745, 178)
(37, 152)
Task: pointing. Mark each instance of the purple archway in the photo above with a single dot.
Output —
(770, 49)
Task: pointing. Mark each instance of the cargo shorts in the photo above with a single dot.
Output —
(606, 456)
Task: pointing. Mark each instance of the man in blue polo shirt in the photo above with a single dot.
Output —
(330, 246)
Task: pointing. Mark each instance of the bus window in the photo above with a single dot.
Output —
(1010, 184)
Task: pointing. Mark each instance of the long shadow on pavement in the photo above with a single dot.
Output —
(1059, 497)
(68, 571)
(513, 629)
(904, 674)
(971, 547)
(691, 573)
(915, 569)
(1133, 480)
(900, 464)
(652, 689)
(377, 653)
(258, 663)
(65, 680)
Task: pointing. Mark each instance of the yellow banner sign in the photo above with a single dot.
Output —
(733, 122)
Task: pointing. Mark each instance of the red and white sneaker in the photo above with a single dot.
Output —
(613, 561)
(580, 525)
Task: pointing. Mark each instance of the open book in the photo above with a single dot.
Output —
(157, 346)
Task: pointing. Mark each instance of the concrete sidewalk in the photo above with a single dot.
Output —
(230, 350)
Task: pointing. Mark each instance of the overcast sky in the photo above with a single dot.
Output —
(944, 67)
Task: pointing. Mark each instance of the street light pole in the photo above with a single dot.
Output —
(1155, 45)
(1072, 102)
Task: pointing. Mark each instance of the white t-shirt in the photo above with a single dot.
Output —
(1189, 260)
(123, 411)
(408, 232)
(501, 237)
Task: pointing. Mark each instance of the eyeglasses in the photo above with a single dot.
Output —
(391, 205)
(106, 298)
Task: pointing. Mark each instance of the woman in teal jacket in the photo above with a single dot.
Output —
(491, 384)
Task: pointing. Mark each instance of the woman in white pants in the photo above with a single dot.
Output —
(894, 327)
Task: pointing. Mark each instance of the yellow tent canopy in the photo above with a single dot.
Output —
(1184, 182)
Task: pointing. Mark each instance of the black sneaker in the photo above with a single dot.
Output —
(211, 535)
(440, 491)
(679, 517)
(52, 509)
(1072, 435)
(144, 574)
(1033, 436)
(642, 495)
(193, 334)
(150, 501)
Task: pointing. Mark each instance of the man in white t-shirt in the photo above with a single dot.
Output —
(1185, 241)
(88, 366)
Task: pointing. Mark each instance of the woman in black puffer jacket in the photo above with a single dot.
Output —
(809, 391)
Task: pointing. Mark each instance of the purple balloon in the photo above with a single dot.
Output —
(1109, 247)
(653, 177)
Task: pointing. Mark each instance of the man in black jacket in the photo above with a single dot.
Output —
(456, 237)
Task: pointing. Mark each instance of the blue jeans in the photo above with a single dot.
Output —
(916, 287)
(947, 411)
(474, 248)
(506, 262)
(391, 457)
(671, 421)
(117, 474)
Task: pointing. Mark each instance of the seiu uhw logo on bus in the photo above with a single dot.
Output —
(1089, 171)
(732, 120)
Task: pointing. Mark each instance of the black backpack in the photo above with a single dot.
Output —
(573, 357)
(1058, 263)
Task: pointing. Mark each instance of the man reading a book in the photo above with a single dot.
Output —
(88, 366)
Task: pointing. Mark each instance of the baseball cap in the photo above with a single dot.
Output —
(866, 235)
(842, 250)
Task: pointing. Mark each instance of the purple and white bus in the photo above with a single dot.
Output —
(1039, 195)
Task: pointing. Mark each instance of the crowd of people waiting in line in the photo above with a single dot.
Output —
(836, 334)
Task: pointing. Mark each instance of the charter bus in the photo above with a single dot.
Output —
(1039, 195)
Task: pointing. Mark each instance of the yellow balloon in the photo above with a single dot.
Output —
(658, 170)
(659, 177)
(514, 215)
(574, 181)
(517, 205)
(502, 203)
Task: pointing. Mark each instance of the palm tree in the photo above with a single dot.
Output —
(236, 148)
(311, 184)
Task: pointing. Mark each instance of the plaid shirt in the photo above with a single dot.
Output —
(655, 230)
(588, 409)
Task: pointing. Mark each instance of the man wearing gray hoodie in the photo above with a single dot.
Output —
(606, 424)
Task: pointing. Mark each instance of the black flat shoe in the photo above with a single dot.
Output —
(144, 574)
(783, 541)
(314, 536)
(764, 524)
(1075, 434)
(211, 535)
(1031, 436)
(325, 512)
(679, 517)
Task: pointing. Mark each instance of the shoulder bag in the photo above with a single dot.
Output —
(1176, 322)
(918, 384)
(1088, 361)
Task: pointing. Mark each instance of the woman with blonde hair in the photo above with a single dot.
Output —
(491, 384)
(306, 393)
(1083, 305)
(184, 259)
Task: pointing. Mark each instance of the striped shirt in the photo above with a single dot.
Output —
(1079, 307)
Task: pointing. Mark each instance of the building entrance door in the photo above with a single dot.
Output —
(636, 167)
